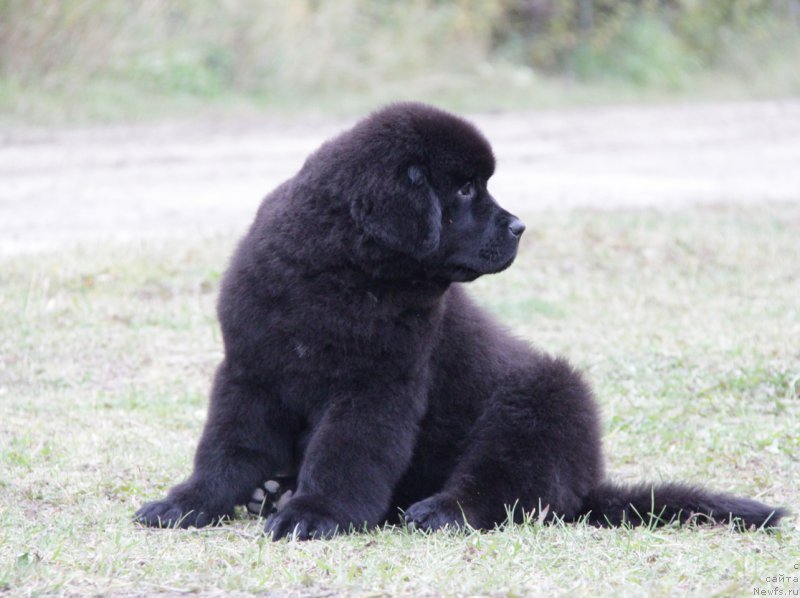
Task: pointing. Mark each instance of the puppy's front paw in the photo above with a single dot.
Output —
(171, 512)
(435, 512)
(303, 518)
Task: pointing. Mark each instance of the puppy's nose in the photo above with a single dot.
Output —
(517, 227)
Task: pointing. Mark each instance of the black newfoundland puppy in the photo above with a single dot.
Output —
(355, 361)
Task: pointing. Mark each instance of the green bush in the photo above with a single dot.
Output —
(646, 52)
(645, 42)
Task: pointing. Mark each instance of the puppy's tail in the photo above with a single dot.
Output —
(613, 505)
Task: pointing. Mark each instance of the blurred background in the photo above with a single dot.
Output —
(137, 117)
(88, 60)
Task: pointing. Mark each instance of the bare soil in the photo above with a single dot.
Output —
(59, 187)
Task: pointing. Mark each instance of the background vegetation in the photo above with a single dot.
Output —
(78, 59)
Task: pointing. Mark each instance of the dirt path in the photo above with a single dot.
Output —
(57, 187)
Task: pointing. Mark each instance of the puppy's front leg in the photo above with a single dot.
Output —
(357, 454)
(246, 438)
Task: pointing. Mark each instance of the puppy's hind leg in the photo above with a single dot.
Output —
(535, 446)
(246, 439)
(272, 495)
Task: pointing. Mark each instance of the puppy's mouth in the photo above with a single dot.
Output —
(462, 274)
(506, 264)
(467, 273)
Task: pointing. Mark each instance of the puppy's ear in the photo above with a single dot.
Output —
(405, 215)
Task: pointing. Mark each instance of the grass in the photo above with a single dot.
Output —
(687, 322)
(103, 100)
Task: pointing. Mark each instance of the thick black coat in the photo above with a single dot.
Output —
(355, 360)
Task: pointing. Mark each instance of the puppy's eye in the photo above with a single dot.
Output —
(466, 191)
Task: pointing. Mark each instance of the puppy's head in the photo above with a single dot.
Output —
(416, 178)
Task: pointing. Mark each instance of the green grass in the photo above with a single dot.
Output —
(687, 322)
(122, 99)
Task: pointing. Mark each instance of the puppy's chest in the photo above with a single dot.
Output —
(339, 333)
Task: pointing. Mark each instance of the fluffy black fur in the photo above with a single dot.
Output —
(355, 360)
